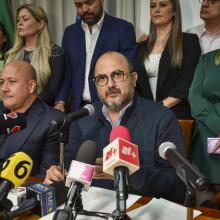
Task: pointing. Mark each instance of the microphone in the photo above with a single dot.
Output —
(42, 199)
(68, 118)
(120, 152)
(184, 168)
(12, 122)
(79, 178)
(14, 172)
(120, 159)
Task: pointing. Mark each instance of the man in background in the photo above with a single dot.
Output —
(149, 123)
(83, 43)
(209, 32)
(18, 86)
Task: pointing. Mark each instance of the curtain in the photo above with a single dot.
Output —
(62, 13)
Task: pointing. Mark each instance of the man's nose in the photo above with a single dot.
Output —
(4, 87)
(205, 3)
(85, 8)
(111, 82)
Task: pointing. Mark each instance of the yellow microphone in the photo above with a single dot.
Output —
(14, 172)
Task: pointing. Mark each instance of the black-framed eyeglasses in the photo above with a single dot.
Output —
(209, 1)
(117, 76)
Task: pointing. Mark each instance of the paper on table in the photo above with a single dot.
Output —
(161, 209)
(100, 200)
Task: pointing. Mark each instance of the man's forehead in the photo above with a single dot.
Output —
(115, 61)
(11, 71)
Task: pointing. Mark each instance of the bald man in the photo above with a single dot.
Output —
(149, 123)
(18, 86)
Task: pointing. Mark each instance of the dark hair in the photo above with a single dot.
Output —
(6, 45)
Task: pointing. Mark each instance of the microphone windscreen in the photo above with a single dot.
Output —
(87, 152)
(12, 122)
(164, 147)
(90, 108)
(120, 132)
(17, 168)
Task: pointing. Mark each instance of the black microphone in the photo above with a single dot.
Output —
(12, 122)
(68, 118)
(86, 155)
(184, 168)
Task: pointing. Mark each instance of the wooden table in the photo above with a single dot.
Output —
(207, 214)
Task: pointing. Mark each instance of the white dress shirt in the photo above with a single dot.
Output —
(208, 42)
(91, 39)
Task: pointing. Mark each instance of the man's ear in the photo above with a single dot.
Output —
(32, 86)
(135, 77)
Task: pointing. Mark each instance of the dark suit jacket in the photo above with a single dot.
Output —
(115, 35)
(150, 124)
(36, 140)
(172, 81)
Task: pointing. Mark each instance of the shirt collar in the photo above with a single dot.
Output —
(202, 30)
(121, 113)
(98, 25)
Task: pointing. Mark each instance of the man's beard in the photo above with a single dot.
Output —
(91, 18)
(116, 106)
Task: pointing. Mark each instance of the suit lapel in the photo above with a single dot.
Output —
(164, 67)
(18, 140)
(81, 45)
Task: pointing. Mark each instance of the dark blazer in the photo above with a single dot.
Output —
(150, 124)
(172, 81)
(36, 140)
(115, 35)
(56, 62)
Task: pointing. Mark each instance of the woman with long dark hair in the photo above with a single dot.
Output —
(167, 59)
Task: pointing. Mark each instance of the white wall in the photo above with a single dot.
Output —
(190, 14)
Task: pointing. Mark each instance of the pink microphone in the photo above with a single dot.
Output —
(120, 132)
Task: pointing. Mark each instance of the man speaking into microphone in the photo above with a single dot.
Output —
(18, 86)
(149, 123)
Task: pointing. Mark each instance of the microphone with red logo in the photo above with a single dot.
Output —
(120, 159)
(12, 122)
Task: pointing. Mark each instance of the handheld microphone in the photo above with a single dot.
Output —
(184, 168)
(79, 178)
(68, 118)
(12, 122)
(120, 159)
(14, 172)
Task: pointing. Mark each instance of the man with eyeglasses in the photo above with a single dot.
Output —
(83, 43)
(149, 123)
(209, 32)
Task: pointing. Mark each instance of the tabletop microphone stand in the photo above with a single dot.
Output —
(197, 196)
(121, 185)
(63, 139)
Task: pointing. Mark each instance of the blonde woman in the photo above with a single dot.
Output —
(33, 45)
(204, 99)
(167, 59)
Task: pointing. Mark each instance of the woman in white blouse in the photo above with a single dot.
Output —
(166, 61)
